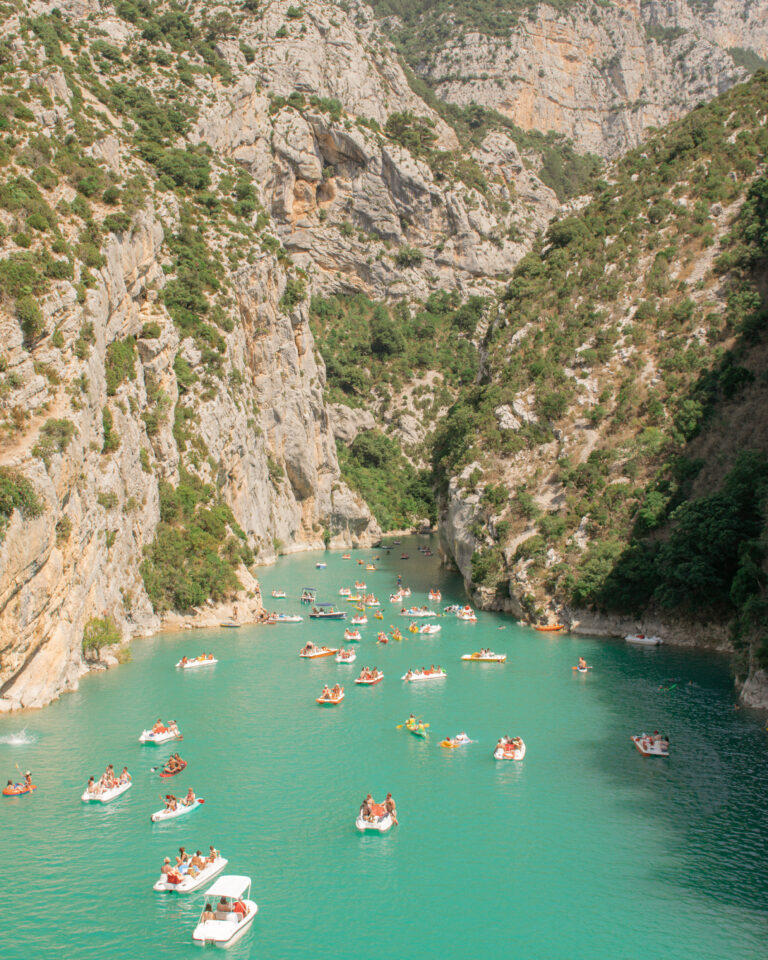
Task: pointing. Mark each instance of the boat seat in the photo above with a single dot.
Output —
(226, 915)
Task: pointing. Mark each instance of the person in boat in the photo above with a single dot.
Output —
(170, 804)
(582, 663)
(335, 691)
(183, 856)
(159, 726)
(208, 914)
(125, 777)
(240, 909)
(223, 906)
(391, 808)
(190, 798)
(91, 788)
(214, 855)
(166, 868)
(184, 661)
(326, 694)
(173, 727)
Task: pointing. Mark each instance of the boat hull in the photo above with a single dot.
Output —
(649, 747)
(193, 664)
(379, 825)
(158, 738)
(162, 816)
(190, 884)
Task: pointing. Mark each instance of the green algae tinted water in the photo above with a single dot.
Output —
(584, 850)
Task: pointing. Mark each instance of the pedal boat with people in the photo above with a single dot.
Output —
(480, 657)
(510, 749)
(352, 636)
(418, 676)
(182, 810)
(107, 796)
(311, 652)
(327, 611)
(417, 613)
(651, 745)
(330, 701)
(160, 736)
(381, 822)
(188, 883)
(346, 656)
(467, 614)
(228, 926)
(374, 677)
(430, 629)
(277, 595)
(201, 661)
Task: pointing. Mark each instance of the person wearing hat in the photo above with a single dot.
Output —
(28, 780)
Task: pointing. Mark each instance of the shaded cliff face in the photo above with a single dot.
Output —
(599, 73)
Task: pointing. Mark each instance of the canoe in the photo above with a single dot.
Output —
(371, 682)
(181, 810)
(485, 657)
(418, 677)
(418, 730)
(509, 752)
(106, 796)
(191, 664)
(548, 627)
(175, 772)
(18, 789)
(164, 736)
(323, 652)
(189, 883)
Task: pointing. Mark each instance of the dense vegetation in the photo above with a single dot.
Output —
(603, 299)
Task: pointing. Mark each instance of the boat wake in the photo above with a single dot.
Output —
(19, 739)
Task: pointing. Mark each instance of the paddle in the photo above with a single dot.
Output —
(586, 668)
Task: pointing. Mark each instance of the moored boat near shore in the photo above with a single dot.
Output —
(643, 639)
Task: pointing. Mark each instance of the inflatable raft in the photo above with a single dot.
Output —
(182, 809)
(18, 789)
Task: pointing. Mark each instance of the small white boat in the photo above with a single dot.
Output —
(196, 662)
(642, 638)
(278, 595)
(359, 621)
(189, 883)
(377, 825)
(346, 656)
(652, 745)
(311, 652)
(182, 809)
(162, 736)
(417, 676)
(352, 635)
(284, 618)
(417, 613)
(435, 596)
(467, 614)
(510, 750)
(345, 592)
(373, 602)
(453, 608)
(430, 628)
(396, 598)
(228, 925)
(321, 566)
(489, 657)
(106, 796)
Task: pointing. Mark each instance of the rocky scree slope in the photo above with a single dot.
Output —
(599, 73)
(610, 467)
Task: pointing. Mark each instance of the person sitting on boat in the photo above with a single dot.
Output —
(336, 692)
(184, 661)
(208, 914)
(326, 694)
(582, 663)
(213, 855)
(390, 807)
(183, 856)
(240, 909)
(166, 868)
(170, 804)
(125, 777)
(223, 906)
(159, 726)
(173, 727)
(198, 861)
(190, 798)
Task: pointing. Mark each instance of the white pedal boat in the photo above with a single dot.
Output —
(345, 592)
(651, 746)
(228, 926)
(189, 883)
(430, 628)
(277, 595)
(163, 736)
(396, 598)
(182, 809)
(349, 657)
(106, 796)
(485, 657)
(284, 618)
(467, 614)
(352, 635)
(416, 613)
(417, 676)
(510, 751)
(642, 638)
(379, 825)
(191, 664)
(373, 602)
(359, 621)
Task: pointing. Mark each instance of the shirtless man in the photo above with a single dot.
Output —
(389, 805)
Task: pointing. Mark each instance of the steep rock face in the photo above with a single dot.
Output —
(602, 73)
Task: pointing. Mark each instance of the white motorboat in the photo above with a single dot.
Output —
(652, 745)
(161, 736)
(284, 618)
(227, 926)
(182, 809)
(510, 749)
(346, 656)
(430, 628)
(417, 676)
(379, 824)
(642, 638)
(321, 566)
(488, 657)
(278, 595)
(186, 664)
(188, 883)
(106, 796)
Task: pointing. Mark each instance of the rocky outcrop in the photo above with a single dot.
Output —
(601, 73)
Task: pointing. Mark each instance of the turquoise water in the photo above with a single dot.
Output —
(585, 850)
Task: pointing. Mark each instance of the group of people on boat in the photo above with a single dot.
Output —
(174, 764)
(108, 780)
(310, 648)
(160, 727)
(424, 672)
(224, 910)
(509, 743)
(26, 785)
(411, 611)
(201, 659)
(186, 865)
(370, 810)
(172, 802)
(332, 693)
(367, 674)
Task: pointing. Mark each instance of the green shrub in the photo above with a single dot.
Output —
(17, 493)
(111, 436)
(409, 257)
(120, 363)
(100, 632)
(31, 319)
(54, 437)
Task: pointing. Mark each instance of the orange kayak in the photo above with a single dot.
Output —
(549, 627)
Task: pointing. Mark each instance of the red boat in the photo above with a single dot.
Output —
(173, 773)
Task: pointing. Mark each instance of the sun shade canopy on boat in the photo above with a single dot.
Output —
(231, 887)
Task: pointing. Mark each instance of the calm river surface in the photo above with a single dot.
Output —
(584, 850)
